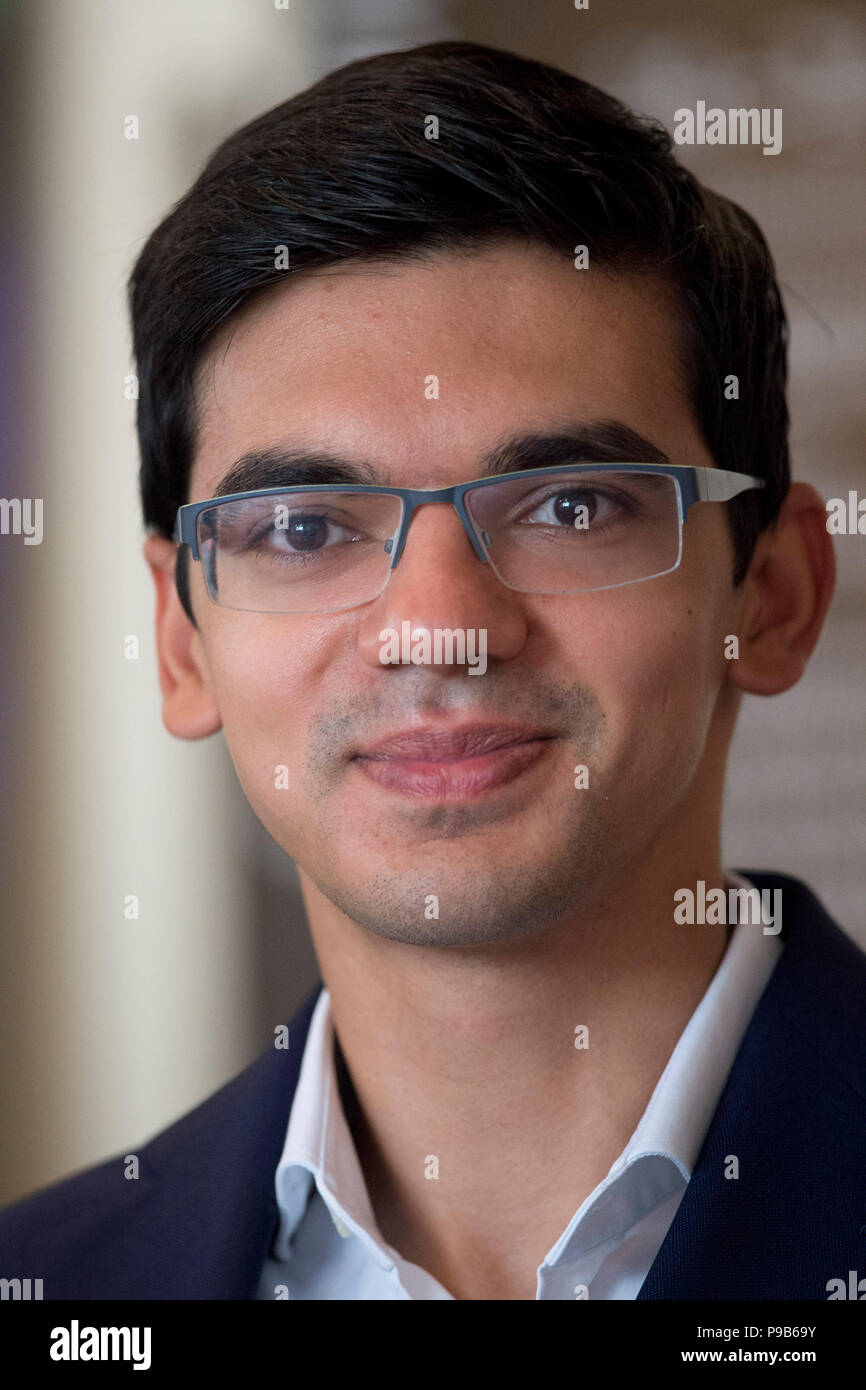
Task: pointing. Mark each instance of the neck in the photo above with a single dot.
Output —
(469, 1056)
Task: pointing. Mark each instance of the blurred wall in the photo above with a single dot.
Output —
(111, 1027)
(113, 1023)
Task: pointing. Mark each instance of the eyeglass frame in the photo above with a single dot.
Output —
(692, 484)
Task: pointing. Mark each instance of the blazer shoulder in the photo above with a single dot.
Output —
(819, 985)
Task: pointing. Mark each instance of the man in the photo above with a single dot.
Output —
(558, 1054)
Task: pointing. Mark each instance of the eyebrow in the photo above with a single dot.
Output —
(598, 441)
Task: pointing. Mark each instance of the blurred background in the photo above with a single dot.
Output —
(110, 1028)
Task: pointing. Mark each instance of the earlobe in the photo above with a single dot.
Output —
(786, 594)
(189, 708)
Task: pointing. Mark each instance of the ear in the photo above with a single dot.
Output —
(786, 594)
(189, 708)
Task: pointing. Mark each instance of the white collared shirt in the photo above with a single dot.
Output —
(328, 1245)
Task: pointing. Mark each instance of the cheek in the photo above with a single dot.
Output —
(263, 679)
(655, 662)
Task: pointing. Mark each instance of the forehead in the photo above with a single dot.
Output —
(420, 366)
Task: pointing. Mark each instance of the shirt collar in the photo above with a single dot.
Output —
(319, 1149)
(660, 1156)
(688, 1091)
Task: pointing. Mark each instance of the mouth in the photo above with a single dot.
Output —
(454, 765)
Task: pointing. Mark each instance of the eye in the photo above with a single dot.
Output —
(308, 531)
(574, 507)
(302, 533)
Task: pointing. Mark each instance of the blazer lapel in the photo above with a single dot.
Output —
(792, 1116)
(204, 1222)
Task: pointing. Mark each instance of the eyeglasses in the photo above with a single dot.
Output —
(565, 530)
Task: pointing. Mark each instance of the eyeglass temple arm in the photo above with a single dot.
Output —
(720, 485)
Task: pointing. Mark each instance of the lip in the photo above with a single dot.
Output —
(429, 743)
(456, 764)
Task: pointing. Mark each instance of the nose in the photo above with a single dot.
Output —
(440, 583)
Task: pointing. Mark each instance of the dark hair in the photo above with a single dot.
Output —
(344, 170)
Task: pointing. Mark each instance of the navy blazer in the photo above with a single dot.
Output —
(199, 1221)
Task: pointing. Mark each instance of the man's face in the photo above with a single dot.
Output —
(625, 681)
